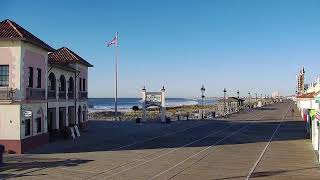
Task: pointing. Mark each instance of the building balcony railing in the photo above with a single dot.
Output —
(71, 95)
(35, 94)
(83, 95)
(7, 94)
(62, 95)
(52, 94)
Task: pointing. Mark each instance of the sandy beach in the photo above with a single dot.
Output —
(181, 112)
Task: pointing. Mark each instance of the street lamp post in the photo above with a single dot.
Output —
(224, 101)
(202, 96)
(249, 99)
(238, 100)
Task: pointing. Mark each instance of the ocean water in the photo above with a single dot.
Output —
(125, 104)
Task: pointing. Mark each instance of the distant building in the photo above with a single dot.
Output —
(42, 90)
(275, 94)
(300, 82)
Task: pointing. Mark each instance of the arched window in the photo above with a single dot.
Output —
(79, 114)
(52, 86)
(83, 84)
(71, 84)
(84, 114)
(52, 82)
(62, 87)
(71, 88)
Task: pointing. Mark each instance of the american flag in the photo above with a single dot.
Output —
(318, 115)
(113, 41)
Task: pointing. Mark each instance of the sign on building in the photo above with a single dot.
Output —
(27, 113)
(153, 99)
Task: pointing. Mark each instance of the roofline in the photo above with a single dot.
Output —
(81, 60)
(49, 48)
(40, 43)
(9, 21)
(84, 63)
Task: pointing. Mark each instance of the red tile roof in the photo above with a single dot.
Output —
(307, 95)
(65, 55)
(10, 30)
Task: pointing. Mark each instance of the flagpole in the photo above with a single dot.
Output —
(116, 81)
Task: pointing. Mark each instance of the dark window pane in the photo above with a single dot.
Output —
(84, 85)
(27, 127)
(4, 75)
(30, 77)
(38, 122)
(39, 78)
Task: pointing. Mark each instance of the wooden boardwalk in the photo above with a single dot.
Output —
(267, 143)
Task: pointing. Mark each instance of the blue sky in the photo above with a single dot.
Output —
(247, 45)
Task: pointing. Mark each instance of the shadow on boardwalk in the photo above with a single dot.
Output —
(267, 173)
(21, 167)
(110, 136)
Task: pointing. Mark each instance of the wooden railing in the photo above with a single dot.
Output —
(35, 94)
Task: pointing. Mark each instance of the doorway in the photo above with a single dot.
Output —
(62, 117)
(51, 119)
(71, 116)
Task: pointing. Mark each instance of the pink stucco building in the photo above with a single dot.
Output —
(43, 91)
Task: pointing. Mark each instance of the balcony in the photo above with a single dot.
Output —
(62, 95)
(35, 94)
(52, 94)
(83, 95)
(71, 95)
(7, 94)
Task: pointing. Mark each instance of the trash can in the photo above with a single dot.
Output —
(168, 120)
(1, 154)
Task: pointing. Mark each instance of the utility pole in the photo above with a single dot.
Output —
(249, 99)
(202, 96)
(238, 100)
(224, 101)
